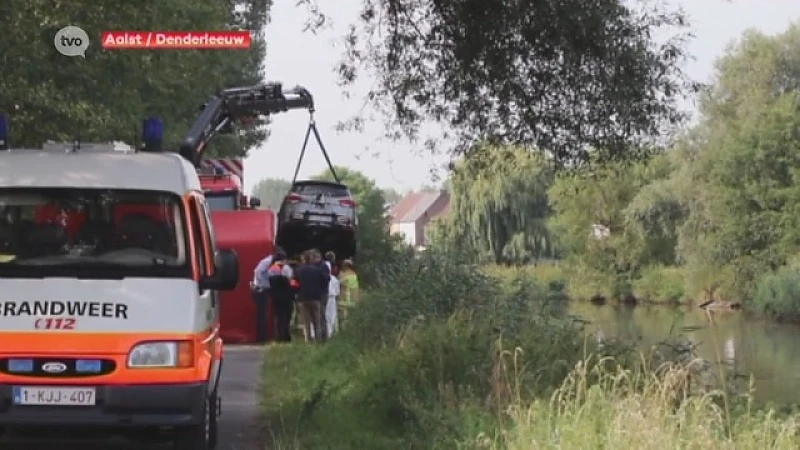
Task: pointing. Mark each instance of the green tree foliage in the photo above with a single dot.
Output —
(373, 238)
(745, 167)
(106, 95)
(563, 76)
(499, 206)
(271, 191)
(615, 199)
(391, 195)
(723, 203)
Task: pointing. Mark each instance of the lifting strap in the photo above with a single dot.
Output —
(312, 126)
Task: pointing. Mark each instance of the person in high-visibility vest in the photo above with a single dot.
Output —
(349, 290)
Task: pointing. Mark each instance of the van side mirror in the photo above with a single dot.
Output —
(255, 202)
(226, 272)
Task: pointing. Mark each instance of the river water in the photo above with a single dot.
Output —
(768, 352)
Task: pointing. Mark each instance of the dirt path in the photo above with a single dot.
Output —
(240, 426)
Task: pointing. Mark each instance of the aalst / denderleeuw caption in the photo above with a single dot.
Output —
(118, 40)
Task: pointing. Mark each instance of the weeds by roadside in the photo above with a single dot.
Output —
(440, 356)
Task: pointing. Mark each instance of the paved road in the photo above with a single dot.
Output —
(240, 426)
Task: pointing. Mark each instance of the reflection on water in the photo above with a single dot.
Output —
(767, 351)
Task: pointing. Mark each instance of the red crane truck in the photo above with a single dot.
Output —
(238, 223)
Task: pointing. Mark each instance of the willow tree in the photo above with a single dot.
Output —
(499, 207)
(564, 76)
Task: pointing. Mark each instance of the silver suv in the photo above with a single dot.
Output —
(318, 214)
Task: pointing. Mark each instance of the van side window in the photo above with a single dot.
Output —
(197, 237)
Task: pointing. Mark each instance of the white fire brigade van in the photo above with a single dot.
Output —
(109, 314)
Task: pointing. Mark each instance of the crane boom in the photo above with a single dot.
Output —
(229, 104)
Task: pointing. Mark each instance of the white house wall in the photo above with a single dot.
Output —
(407, 230)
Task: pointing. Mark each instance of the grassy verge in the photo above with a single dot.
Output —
(442, 356)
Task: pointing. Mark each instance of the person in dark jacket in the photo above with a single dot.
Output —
(259, 288)
(280, 289)
(313, 278)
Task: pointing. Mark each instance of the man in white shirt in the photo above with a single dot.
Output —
(330, 306)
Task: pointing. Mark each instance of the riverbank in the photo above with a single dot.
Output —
(456, 360)
(322, 397)
(656, 286)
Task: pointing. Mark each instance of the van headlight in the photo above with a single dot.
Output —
(161, 355)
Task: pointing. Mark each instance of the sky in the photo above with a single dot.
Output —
(298, 57)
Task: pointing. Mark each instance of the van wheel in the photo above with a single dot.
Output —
(202, 436)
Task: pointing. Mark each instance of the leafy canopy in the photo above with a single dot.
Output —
(561, 76)
(106, 95)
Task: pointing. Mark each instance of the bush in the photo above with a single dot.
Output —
(585, 283)
(436, 354)
(777, 295)
(660, 284)
(424, 348)
(549, 275)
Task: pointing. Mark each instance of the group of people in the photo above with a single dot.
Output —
(317, 288)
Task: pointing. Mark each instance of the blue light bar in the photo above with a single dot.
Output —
(88, 365)
(20, 365)
(152, 134)
(3, 132)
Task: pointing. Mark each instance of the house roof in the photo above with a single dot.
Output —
(442, 211)
(414, 205)
(403, 206)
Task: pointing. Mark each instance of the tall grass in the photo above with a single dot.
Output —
(627, 409)
(423, 363)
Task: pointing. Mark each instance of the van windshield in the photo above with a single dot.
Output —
(96, 228)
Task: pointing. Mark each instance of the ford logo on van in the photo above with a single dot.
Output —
(54, 367)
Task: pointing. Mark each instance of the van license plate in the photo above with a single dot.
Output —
(319, 218)
(56, 396)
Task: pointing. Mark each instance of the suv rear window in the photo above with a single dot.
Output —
(313, 189)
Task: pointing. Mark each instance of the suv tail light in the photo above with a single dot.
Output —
(293, 198)
(348, 203)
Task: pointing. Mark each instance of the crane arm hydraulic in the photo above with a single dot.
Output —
(230, 104)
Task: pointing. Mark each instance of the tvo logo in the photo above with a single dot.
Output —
(71, 41)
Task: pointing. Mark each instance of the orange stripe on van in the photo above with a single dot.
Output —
(191, 251)
(205, 234)
(206, 347)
